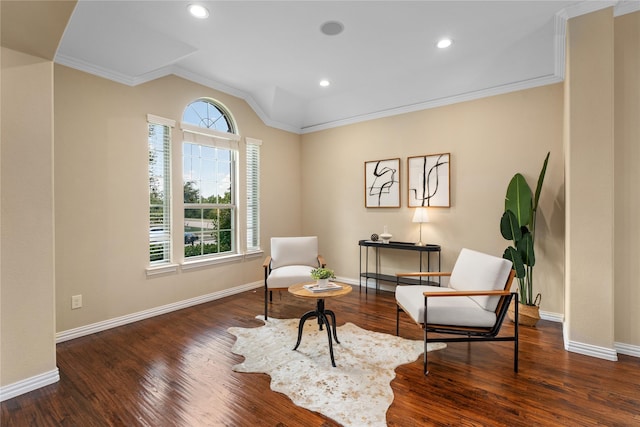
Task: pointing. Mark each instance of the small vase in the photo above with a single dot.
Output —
(385, 236)
(322, 283)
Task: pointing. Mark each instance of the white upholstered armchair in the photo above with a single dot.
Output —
(290, 262)
(473, 306)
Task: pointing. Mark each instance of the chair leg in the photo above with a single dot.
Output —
(426, 345)
(515, 341)
(266, 291)
(397, 320)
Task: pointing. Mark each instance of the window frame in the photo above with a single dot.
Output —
(194, 134)
(164, 264)
(245, 190)
(252, 193)
(202, 206)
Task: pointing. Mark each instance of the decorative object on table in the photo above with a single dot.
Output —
(315, 287)
(429, 178)
(322, 276)
(366, 365)
(385, 236)
(374, 237)
(382, 183)
(420, 216)
(518, 224)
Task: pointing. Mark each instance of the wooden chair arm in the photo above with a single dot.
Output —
(466, 293)
(424, 274)
(267, 261)
(321, 260)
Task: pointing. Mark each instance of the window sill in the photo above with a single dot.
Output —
(254, 254)
(189, 265)
(161, 269)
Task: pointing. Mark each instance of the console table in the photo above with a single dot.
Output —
(405, 246)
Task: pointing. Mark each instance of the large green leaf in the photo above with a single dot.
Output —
(543, 171)
(514, 256)
(509, 227)
(518, 199)
(525, 249)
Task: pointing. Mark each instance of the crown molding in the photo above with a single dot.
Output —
(621, 7)
(463, 97)
(87, 67)
(626, 6)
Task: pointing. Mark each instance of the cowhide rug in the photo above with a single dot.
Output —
(355, 393)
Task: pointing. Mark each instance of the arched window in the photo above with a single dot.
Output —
(206, 113)
(209, 204)
(209, 155)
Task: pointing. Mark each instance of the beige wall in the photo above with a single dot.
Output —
(102, 195)
(313, 187)
(589, 181)
(627, 178)
(489, 140)
(603, 106)
(27, 318)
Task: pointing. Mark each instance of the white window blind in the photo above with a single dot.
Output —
(159, 142)
(253, 193)
(209, 137)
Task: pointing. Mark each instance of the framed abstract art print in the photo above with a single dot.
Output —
(428, 180)
(382, 183)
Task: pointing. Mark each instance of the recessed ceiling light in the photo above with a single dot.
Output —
(324, 82)
(332, 28)
(198, 11)
(444, 43)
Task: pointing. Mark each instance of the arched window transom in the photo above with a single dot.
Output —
(207, 114)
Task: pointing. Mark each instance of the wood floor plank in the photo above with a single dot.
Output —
(175, 370)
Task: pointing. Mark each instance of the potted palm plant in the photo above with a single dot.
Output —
(518, 224)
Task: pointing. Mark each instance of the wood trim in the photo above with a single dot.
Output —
(266, 262)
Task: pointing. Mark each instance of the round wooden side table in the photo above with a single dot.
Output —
(299, 290)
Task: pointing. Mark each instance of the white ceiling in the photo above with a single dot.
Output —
(273, 54)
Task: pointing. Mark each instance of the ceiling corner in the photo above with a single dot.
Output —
(34, 27)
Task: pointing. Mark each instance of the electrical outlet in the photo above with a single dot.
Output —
(76, 302)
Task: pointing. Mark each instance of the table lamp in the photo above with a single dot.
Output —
(420, 215)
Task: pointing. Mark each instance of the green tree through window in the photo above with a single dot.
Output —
(209, 184)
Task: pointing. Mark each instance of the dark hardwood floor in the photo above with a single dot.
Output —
(175, 370)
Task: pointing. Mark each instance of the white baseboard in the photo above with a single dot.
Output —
(24, 386)
(592, 350)
(146, 314)
(627, 349)
(552, 317)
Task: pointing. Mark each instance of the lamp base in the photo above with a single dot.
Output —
(420, 243)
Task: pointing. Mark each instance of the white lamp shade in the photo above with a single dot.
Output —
(421, 215)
